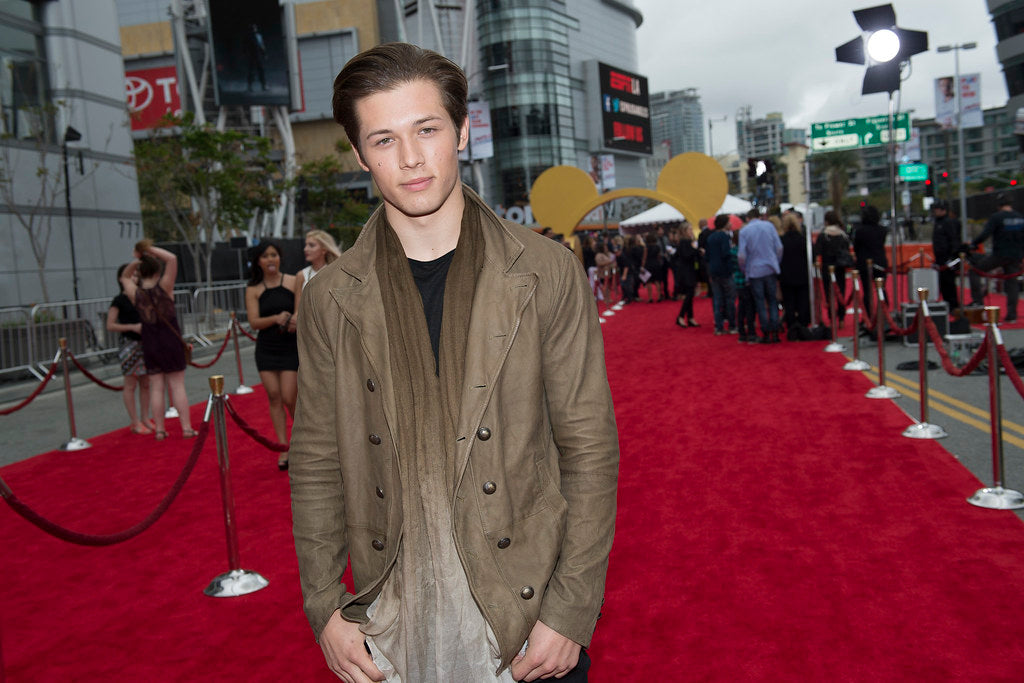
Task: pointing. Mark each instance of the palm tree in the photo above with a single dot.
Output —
(836, 167)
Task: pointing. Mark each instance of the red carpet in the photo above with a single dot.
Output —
(773, 526)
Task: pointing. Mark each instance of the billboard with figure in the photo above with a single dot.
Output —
(250, 52)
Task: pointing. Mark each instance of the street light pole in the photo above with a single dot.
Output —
(70, 135)
(711, 138)
(959, 131)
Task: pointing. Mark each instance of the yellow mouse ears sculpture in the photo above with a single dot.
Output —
(692, 183)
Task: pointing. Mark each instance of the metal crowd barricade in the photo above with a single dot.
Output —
(212, 306)
(82, 322)
(17, 352)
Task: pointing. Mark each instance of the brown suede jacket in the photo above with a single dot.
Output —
(534, 509)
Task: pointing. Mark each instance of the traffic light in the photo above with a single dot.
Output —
(929, 186)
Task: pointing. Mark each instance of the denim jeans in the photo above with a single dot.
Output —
(764, 299)
(723, 292)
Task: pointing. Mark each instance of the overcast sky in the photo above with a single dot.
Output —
(779, 56)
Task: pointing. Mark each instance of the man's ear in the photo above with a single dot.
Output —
(359, 158)
(464, 134)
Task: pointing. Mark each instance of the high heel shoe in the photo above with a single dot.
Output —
(283, 465)
(680, 322)
(692, 323)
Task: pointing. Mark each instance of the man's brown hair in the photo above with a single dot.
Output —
(384, 68)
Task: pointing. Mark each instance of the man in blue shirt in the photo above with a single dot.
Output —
(759, 255)
(1006, 227)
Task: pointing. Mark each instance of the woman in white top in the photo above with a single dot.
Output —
(320, 250)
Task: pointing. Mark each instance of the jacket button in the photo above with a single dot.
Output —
(375, 439)
(526, 592)
(504, 543)
(483, 433)
(380, 492)
(371, 385)
(490, 487)
(379, 545)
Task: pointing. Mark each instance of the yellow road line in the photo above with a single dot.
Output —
(912, 390)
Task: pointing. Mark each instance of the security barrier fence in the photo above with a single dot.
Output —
(29, 334)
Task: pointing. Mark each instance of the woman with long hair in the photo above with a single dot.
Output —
(833, 248)
(163, 347)
(122, 317)
(270, 303)
(319, 250)
(684, 273)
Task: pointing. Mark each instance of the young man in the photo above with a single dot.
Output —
(454, 436)
(759, 254)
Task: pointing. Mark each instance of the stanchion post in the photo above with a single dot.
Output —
(73, 443)
(835, 346)
(236, 581)
(923, 429)
(995, 497)
(856, 363)
(869, 293)
(236, 328)
(881, 391)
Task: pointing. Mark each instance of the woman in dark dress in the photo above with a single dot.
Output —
(163, 348)
(270, 306)
(833, 248)
(796, 293)
(684, 272)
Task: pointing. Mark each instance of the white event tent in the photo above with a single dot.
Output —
(665, 213)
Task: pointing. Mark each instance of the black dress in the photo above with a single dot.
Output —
(276, 349)
(162, 346)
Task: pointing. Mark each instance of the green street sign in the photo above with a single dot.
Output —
(913, 172)
(832, 136)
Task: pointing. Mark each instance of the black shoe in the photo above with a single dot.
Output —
(692, 323)
(1010, 320)
(743, 339)
(282, 465)
(679, 321)
(774, 338)
(764, 340)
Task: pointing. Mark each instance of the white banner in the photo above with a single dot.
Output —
(911, 149)
(970, 101)
(602, 171)
(481, 136)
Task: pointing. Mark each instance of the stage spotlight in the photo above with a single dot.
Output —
(883, 47)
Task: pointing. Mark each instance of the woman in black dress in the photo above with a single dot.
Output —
(163, 348)
(270, 306)
(122, 317)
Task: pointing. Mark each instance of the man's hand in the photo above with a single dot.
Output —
(345, 651)
(549, 655)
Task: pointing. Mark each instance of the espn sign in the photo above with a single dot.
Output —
(625, 110)
(151, 93)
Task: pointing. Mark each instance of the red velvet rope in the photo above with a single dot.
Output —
(244, 331)
(252, 433)
(35, 392)
(216, 358)
(79, 538)
(1011, 369)
(997, 276)
(91, 376)
(947, 363)
(896, 329)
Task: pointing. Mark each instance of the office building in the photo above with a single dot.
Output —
(678, 118)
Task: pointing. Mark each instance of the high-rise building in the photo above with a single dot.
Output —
(678, 118)
(1008, 21)
(759, 137)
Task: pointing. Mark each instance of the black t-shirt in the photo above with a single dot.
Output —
(126, 314)
(430, 278)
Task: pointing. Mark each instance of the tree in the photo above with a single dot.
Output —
(34, 205)
(328, 206)
(208, 182)
(837, 167)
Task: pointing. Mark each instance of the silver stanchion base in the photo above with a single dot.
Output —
(925, 430)
(857, 365)
(242, 389)
(835, 347)
(170, 413)
(75, 444)
(234, 583)
(997, 498)
(882, 391)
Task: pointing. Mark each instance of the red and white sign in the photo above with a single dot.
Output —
(151, 93)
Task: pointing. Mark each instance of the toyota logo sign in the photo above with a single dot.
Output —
(150, 94)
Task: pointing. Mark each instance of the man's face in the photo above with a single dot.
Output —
(410, 146)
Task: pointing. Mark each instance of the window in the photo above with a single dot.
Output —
(24, 105)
